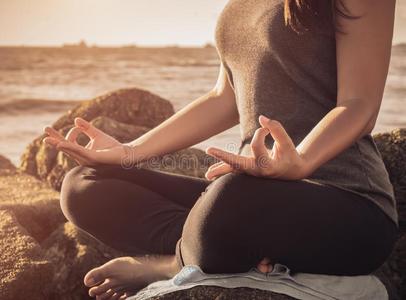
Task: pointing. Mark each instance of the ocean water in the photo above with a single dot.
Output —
(37, 85)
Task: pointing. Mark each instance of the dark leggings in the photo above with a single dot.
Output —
(230, 224)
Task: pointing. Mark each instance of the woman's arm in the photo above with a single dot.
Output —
(208, 115)
(203, 118)
(363, 54)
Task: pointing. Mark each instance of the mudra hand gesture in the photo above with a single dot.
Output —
(102, 148)
(283, 161)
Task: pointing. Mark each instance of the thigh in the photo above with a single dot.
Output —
(307, 226)
(181, 189)
(140, 211)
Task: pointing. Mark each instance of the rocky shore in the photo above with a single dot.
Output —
(44, 257)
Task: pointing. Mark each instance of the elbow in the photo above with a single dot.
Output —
(372, 122)
(370, 126)
(365, 109)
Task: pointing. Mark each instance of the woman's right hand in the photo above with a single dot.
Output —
(101, 149)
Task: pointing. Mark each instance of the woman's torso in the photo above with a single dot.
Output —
(292, 78)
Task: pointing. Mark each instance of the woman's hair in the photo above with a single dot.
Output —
(301, 14)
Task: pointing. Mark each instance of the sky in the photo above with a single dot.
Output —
(121, 22)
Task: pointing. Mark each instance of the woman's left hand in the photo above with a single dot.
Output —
(283, 161)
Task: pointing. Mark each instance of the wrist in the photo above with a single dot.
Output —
(305, 166)
(131, 155)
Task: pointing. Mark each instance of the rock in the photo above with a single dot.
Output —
(23, 272)
(392, 146)
(129, 106)
(73, 253)
(41, 256)
(29, 213)
(6, 165)
(190, 162)
(219, 293)
(18, 188)
(121, 131)
(125, 115)
(39, 218)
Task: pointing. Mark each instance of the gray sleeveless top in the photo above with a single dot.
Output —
(292, 78)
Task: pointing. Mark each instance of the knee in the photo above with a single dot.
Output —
(76, 191)
(216, 232)
(227, 196)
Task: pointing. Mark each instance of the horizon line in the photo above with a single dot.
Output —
(129, 45)
(85, 44)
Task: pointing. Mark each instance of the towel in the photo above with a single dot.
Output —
(302, 286)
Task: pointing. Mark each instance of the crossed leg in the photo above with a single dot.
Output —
(225, 226)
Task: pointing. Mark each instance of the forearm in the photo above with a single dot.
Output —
(198, 121)
(339, 129)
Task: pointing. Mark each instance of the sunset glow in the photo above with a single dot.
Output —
(118, 22)
(108, 22)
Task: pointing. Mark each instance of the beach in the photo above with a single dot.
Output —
(37, 85)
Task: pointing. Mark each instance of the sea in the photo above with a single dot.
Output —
(37, 85)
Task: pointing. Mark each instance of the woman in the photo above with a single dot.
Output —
(308, 187)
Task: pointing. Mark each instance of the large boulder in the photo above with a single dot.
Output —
(29, 212)
(124, 114)
(219, 293)
(73, 253)
(23, 270)
(6, 166)
(41, 255)
(392, 146)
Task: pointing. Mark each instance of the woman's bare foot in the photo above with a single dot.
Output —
(122, 277)
(265, 265)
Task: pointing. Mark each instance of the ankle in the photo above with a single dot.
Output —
(166, 265)
(171, 266)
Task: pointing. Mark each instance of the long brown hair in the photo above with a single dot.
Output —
(300, 14)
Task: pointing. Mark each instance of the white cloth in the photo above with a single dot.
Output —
(300, 285)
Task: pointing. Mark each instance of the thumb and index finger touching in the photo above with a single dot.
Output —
(87, 128)
(81, 126)
(68, 144)
(277, 132)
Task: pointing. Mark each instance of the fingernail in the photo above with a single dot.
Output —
(90, 281)
(213, 150)
(79, 122)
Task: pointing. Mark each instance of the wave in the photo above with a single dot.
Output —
(38, 106)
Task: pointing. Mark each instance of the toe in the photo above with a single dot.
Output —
(262, 268)
(108, 295)
(102, 288)
(124, 296)
(265, 265)
(95, 276)
(116, 296)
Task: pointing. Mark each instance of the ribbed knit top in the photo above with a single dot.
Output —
(292, 78)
